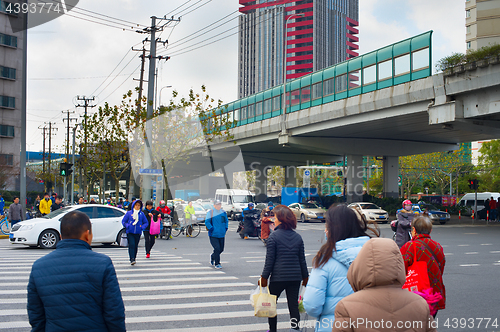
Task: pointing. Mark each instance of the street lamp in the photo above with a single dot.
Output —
(283, 129)
(159, 99)
(449, 174)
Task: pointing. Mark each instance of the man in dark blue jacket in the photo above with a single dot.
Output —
(217, 224)
(74, 288)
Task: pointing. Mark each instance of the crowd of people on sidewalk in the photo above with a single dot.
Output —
(356, 275)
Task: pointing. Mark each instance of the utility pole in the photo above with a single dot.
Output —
(86, 105)
(163, 22)
(43, 158)
(68, 120)
(73, 162)
(49, 185)
(131, 185)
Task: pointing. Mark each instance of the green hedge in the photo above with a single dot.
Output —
(457, 59)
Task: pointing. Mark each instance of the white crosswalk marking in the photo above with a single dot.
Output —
(165, 293)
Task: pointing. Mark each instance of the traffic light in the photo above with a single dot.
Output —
(68, 169)
(65, 169)
(474, 184)
(62, 169)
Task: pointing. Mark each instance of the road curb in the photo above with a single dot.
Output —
(4, 236)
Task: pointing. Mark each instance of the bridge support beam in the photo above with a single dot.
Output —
(260, 180)
(204, 186)
(391, 172)
(290, 176)
(354, 175)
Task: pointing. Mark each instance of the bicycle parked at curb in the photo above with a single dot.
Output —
(191, 230)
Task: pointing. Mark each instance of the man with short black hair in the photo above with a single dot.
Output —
(74, 288)
(57, 205)
(15, 212)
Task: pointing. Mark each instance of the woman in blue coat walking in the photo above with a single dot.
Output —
(134, 222)
(345, 233)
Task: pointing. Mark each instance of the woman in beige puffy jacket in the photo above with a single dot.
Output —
(379, 303)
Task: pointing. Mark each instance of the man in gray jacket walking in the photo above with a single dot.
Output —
(15, 212)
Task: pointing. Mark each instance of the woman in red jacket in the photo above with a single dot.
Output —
(429, 251)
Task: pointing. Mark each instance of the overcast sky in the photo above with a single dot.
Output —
(69, 56)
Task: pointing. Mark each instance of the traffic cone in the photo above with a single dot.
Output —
(472, 214)
(487, 216)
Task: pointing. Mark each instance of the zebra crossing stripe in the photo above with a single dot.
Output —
(176, 296)
(198, 316)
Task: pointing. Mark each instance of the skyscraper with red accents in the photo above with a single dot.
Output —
(319, 33)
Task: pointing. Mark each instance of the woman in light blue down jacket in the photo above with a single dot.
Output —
(345, 232)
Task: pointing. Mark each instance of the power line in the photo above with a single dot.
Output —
(122, 83)
(194, 4)
(177, 41)
(105, 24)
(111, 72)
(78, 10)
(181, 51)
(71, 78)
(177, 8)
(195, 8)
(117, 76)
(215, 41)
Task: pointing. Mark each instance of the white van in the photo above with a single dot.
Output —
(468, 200)
(233, 200)
(112, 193)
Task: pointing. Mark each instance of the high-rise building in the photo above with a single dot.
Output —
(319, 33)
(11, 64)
(482, 23)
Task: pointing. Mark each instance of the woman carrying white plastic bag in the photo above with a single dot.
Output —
(264, 304)
(285, 264)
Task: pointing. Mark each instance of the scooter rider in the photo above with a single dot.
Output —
(247, 214)
(163, 208)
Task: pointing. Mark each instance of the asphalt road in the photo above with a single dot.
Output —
(177, 290)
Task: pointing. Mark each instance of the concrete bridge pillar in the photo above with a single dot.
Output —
(204, 186)
(290, 176)
(228, 173)
(354, 175)
(391, 172)
(260, 179)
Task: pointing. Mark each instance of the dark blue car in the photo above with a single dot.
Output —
(434, 213)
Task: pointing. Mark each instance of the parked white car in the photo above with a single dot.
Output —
(371, 211)
(46, 231)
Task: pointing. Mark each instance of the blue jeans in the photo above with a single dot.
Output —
(133, 245)
(218, 245)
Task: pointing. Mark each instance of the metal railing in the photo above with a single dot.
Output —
(399, 63)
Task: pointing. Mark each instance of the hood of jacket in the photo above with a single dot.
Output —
(379, 263)
(137, 201)
(348, 249)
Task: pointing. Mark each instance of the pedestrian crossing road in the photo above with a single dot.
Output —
(167, 292)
